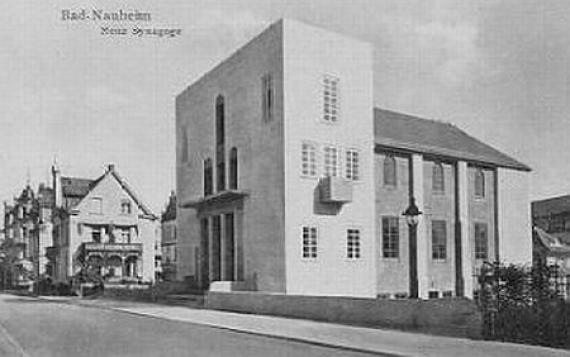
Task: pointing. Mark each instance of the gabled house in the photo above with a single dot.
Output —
(101, 224)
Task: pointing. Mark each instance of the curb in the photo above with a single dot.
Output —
(235, 330)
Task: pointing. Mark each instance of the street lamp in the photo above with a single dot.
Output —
(412, 217)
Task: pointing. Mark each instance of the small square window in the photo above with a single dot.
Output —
(126, 207)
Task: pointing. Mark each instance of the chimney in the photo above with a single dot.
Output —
(56, 177)
(110, 167)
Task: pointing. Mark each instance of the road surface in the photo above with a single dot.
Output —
(31, 327)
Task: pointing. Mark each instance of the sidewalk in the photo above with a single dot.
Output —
(362, 339)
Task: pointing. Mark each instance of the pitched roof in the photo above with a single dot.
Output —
(79, 188)
(75, 187)
(129, 190)
(410, 133)
(549, 206)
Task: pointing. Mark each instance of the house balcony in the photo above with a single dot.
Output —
(121, 248)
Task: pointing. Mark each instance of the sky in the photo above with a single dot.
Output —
(500, 70)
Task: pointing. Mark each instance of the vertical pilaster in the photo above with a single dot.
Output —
(423, 245)
(463, 218)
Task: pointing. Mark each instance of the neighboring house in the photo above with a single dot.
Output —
(290, 181)
(168, 241)
(551, 221)
(19, 225)
(101, 224)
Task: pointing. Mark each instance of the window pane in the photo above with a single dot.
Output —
(353, 244)
(308, 160)
(389, 171)
(439, 240)
(331, 161)
(352, 165)
(330, 99)
(438, 183)
(309, 242)
(390, 237)
(481, 241)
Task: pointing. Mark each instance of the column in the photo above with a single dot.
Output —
(423, 244)
(463, 221)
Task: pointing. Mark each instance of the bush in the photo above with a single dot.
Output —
(526, 305)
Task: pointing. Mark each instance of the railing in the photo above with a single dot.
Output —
(108, 247)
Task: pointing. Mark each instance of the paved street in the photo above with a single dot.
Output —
(32, 327)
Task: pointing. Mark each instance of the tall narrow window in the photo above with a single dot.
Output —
(184, 147)
(439, 240)
(352, 165)
(309, 242)
(479, 183)
(220, 144)
(389, 169)
(233, 169)
(331, 104)
(308, 160)
(267, 97)
(331, 160)
(208, 177)
(353, 243)
(438, 183)
(481, 242)
(390, 237)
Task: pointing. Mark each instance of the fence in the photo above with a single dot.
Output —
(525, 304)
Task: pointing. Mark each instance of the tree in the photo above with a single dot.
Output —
(11, 263)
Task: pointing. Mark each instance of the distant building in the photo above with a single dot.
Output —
(20, 223)
(551, 243)
(101, 224)
(290, 181)
(168, 233)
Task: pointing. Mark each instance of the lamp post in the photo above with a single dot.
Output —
(412, 213)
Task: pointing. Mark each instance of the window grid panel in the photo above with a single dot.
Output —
(331, 160)
(331, 103)
(390, 237)
(352, 165)
(353, 244)
(308, 160)
(439, 240)
(481, 245)
(309, 242)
